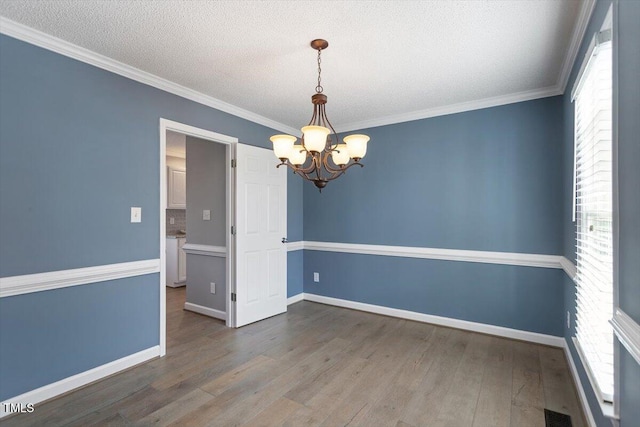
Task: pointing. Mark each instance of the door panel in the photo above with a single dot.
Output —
(261, 218)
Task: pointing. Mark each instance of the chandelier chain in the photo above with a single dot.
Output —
(319, 88)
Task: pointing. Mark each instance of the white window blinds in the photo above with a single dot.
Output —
(593, 211)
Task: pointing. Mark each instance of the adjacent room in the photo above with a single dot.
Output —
(446, 235)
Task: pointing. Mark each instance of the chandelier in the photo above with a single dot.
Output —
(319, 157)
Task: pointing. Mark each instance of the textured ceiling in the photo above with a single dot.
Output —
(386, 61)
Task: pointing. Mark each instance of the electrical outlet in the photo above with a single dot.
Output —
(206, 215)
(213, 288)
(316, 277)
(568, 320)
(172, 220)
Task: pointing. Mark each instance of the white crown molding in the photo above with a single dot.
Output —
(506, 258)
(478, 104)
(54, 44)
(17, 285)
(296, 298)
(206, 250)
(576, 379)
(79, 380)
(439, 320)
(569, 268)
(207, 311)
(584, 15)
(295, 246)
(628, 332)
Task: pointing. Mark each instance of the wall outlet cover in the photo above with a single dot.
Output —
(206, 215)
(213, 287)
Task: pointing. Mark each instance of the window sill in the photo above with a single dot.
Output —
(606, 408)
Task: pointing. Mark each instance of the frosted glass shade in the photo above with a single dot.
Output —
(357, 145)
(341, 155)
(297, 156)
(282, 145)
(315, 137)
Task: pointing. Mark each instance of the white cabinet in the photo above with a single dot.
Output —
(176, 188)
(182, 261)
(176, 262)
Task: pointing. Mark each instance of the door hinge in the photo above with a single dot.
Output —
(233, 163)
(233, 230)
(233, 297)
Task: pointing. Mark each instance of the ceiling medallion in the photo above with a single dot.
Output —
(319, 157)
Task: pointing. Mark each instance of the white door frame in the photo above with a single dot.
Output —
(231, 142)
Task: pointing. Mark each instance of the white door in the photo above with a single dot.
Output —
(261, 224)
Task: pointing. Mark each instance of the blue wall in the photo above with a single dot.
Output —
(480, 180)
(627, 20)
(294, 234)
(51, 335)
(524, 298)
(79, 146)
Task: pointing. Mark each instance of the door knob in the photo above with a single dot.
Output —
(284, 240)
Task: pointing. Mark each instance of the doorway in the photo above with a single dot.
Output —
(255, 255)
(224, 253)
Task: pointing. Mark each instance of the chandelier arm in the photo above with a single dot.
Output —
(298, 171)
(327, 166)
(342, 171)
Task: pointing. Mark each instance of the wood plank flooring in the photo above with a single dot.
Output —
(319, 365)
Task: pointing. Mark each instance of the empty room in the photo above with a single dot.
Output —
(320, 213)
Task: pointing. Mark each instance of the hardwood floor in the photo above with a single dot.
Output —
(319, 365)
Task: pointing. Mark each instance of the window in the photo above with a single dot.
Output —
(593, 214)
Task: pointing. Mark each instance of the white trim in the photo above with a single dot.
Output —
(54, 44)
(576, 379)
(296, 298)
(206, 250)
(18, 285)
(628, 332)
(442, 321)
(82, 379)
(584, 15)
(295, 246)
(461, 107)
(605, 407)
(592, 378)
(569, 268)
(507, 258)
(207, 311)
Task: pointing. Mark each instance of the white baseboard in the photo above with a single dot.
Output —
(442, 321)
(200, 309)
(576, 380)
(79, 380)
(296, 298)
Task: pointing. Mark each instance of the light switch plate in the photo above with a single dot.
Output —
(316, 277)
(136, 214)
(206, 215)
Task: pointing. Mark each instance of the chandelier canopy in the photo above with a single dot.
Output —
(319, 157)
